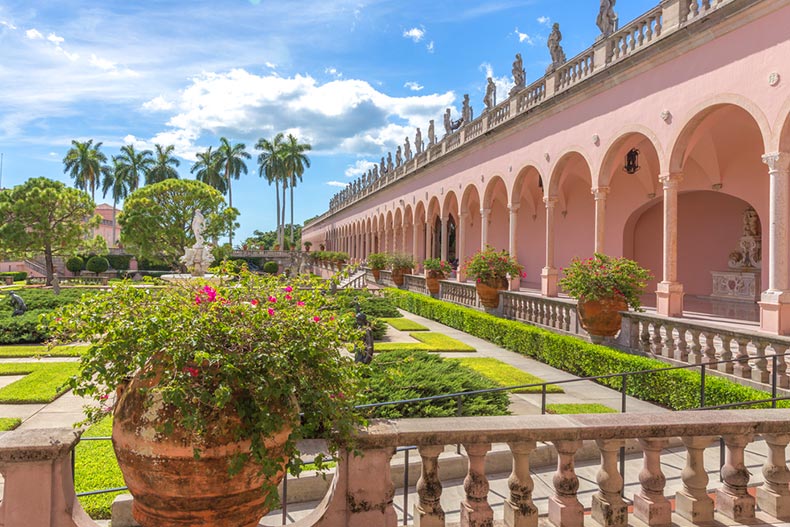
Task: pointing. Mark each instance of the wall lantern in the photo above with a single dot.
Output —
(632, 161)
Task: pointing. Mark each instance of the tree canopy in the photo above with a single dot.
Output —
(156, 221)
(45, 216)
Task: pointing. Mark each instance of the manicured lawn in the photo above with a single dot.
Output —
(404, 324)
(429, 341)
(41, 351)
(507, 375)
(43, 383)
(579, 408)
(96, 468)
(9, 423)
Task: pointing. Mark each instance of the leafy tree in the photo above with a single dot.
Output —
(231, 159)
(294, 163)
(135, 165)
(156, 221)
(97, 264)
(118, 182)
(164, 165)
(75, 264)
(270, 166)
(45, 216)
(85, 164)
(207, 170)
(269, 238)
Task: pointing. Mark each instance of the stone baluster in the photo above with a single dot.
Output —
(692, 501)
(710, 349)
(650, 505)
(520, 510)
(760, 371)
(608, 507)
(695, 355)
(564, 507)
(742, 368)
(781, 365)
(656, 346)
(475, 510)
(428, 511)
(774, 496)
(681, 346)
(726, 354)
(644, 336)
(669, 341)
(732, 500)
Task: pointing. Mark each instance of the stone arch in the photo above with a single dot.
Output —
(574, 210)
(469, 239)
(527, 198)
(432, 214)
(388, 232)
(495, 202)
(568, 155)
(782, 130)
(450, 209)
(397, 231)
(616, 149)
(419, 222)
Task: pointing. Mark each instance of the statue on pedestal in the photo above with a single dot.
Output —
(198, 257)
(389, 161)
(418, 145)
(490, 99)
(407, 150)
(557, 54)
(607, 18)
(466, 111)
(383, 167)
(749, 254)
(398, 157)
(431, 134)
(519, 75)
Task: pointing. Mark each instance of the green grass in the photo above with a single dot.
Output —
(41, 351)
(579, 408)
(507, 375)
(429, 341)
(9, 423)
(404, 324)
(96, 468)
(43, 382)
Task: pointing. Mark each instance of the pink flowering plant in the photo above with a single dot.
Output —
(492, 267)
(600, 277)
(438, 266)
(265, 348)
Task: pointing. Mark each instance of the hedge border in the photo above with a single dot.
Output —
(676, 389)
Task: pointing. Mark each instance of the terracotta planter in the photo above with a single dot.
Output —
(397, 275)
(376, 274)
(489, 292)
(173, 489)
(432, 281)
(601, 318)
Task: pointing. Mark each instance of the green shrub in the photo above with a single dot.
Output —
(405, 324)
(18, 276)
(671, 388)
(400, 375)
(378, 260)
(506, 375)
(25, 328)
(75, 264)
(119, 262)
(271, 267)
(97, 264)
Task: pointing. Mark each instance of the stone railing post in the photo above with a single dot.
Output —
(650, 505)
(774, 496)
(368, 501)
(428, 511)
(475, 510)
(608, 507)
(565, 510)
(520, 510)
(673, 12)
(692, 501)
(732, 500)
(38, 487)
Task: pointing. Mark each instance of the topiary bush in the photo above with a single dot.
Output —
(97, 264)
(18, 276)
(271, 267)
(119, 262)
(75, 264)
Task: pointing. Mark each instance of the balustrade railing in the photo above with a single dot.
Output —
(385, 278)
(474, 129)
(415, 283)
(498, 114)
(636, 35)
(458, 293)
(575, 70)
(555, 313)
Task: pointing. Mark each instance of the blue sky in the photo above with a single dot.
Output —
(352, 77)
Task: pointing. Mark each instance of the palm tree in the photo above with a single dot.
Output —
(271, 167)
(118, 182)
(85, 164)
(294, 161)
(134, 164)
(232, 161)
(164, 166)
(207, 170)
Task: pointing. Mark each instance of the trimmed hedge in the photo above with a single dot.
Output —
(271, 267)
(18, 276)
(119, 262)
(97, 264)
(673, 388)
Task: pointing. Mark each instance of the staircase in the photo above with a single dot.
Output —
(356, 280)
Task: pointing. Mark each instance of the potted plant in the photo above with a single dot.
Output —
(435, 270)
(400, 264)
(307, 246)
(206, 384)
(604, 286)
(377, 262)
(489, 269)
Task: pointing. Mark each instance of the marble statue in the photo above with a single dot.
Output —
(389, 161)
(749, 253)
(466, 112)
(198, 227)
(607, 18)
(519, 75)
(198, 257)
(418, 145)
(376, 170)
(448, 123)
(383, 167)
(407, 150)
(431, 134)
(398, 157)
(490, 99)
(555, 49)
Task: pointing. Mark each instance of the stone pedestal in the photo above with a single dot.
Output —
(736, 285)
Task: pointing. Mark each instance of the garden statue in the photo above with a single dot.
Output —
(365, 356)
(466, 112)
(749, 253)
(389, 161)
(375, 172)
(519, 75)
(407, 150)
(55, 283)
(448, 123)
(431, 134)
(398, 157)
(20, 308)
(418, 146)
(607, 18)
(198, 257)
(490, 99)
(383, 167)
(557, 54)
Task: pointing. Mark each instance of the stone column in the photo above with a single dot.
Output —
(428, 510)
(600, 194)
(670, 291)
(404, 230)
(460, 240)
(775, 301)
(445, 242)
(774, 496)
(387, 240)
(475, 510)
(484, 214)
(608, 507)
(515, 281)
(732, 500)
(564, 507)
(650, 504)
(368, 244)
(548, 276)
(520, 510)
(692, 501)
(414, 244)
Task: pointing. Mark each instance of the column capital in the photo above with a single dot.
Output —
(600, 192)
(550, 201)
(485, 212)
(671, 179)
(777, 161)
(513, 208)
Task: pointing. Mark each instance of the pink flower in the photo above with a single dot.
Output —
(523, 274)
(197, 299)
(288, 289)
(271, 312)
(104, 397)
(300, 303)
(254, 302)
(331, 318)
(194, 372)
(288, 297)
(272, 299)
(316, 318)
(211, 293)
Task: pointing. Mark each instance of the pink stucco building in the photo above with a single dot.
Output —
(700, 89)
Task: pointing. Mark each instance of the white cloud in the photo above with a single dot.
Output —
(416, 34)
(413, 86)
(52, 154)
(158, 104)
(544, 20)
(102, 64)
(359, 168)
(523, 37)
(55, 39)
(340, 184)
(333, 72)
(270, 65)
(430, 47)
(34, 34)
(7, 24)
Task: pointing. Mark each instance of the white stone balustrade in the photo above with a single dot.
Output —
(458, 293)
(551, 312)
(415, 283)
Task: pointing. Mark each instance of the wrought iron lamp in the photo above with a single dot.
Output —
(632, 161)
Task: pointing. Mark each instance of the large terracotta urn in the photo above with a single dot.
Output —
(173, 488)
(432, 281)
(488, 291)
(397, 275)
(601, 318)
(376, 274)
